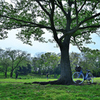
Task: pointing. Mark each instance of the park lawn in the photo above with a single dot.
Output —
(12, 89)
(11, 80)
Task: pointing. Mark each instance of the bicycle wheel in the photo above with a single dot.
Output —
(78, 78)
(90, 78)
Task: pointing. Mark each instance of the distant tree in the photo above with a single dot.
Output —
(74, 59)
(57, 70)
(34, 65)
(45, 63)
(24, 70)
(18, 58)
(91, 61)
(69, 21)
(4, 62)
(50, 61)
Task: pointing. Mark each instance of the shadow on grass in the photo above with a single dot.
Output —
(54, 83)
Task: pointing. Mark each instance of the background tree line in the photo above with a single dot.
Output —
(21, 63)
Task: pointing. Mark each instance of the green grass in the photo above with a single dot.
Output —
(10, 80)
(14, 89)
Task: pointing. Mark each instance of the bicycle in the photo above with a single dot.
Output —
(78, 77)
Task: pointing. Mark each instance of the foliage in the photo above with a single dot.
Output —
(92, 60)
(45, 63)
(24, 70)
(56, 15)
(13, 59)
(18, 58)
(74, 59)
(49, 63)
(4, 62)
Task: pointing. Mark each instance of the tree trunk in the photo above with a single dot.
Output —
(6, 72)
(11, 74)
(16, 75)
(66, 74)
(12, 69)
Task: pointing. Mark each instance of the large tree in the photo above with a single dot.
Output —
(69, 21)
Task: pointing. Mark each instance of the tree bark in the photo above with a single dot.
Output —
(66, 74)
(6, 72)
(11, 74)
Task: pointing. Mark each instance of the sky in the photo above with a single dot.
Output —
(37, 47)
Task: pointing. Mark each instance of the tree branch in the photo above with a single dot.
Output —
(69, 33)
(38, 1)
(95, 5)
(30, 24)
(92, 26)
(61, 7)
(52, 23)
(82, 6)
(77, 44)
(89, 18)
(76, 13)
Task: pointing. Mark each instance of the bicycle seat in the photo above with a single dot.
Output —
(88, 70)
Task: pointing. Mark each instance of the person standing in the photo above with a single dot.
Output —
(47, 75)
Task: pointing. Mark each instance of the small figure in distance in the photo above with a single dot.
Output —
(47, 75)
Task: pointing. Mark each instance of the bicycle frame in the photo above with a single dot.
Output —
(85, 77)
(80, 73)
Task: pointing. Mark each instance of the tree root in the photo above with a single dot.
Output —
(45, 83)
(57, 82)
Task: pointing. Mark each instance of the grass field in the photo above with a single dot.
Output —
(15, 89)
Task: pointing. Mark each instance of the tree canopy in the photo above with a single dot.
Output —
(61, 17)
